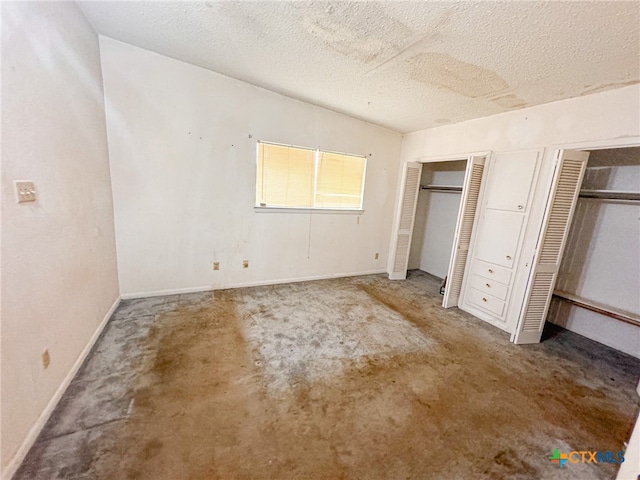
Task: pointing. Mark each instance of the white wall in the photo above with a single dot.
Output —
(605, 119)
(182, 143)
(59, 277)
(436, 218)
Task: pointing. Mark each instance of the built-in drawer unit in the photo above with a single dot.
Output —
(492, 272)
(486, 302)
(498, 238)
(491, 287)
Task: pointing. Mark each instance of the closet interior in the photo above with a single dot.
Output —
(597, 292)
(436, 216)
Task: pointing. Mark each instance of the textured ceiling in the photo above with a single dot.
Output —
(403, 65)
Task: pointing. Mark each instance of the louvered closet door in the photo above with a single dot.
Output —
(570, 168)
(464, 226)
(402, 239)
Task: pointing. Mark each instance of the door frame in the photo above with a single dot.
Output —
(423, 160)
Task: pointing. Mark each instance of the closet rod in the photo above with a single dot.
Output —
(610, 195)
(599, 308)
(441, 188)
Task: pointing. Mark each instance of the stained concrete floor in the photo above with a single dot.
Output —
(348, 378)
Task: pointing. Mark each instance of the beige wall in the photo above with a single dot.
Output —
(182, 144)
(58, 268)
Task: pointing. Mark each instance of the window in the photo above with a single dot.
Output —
(295, 177)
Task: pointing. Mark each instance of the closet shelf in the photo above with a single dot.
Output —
(441, 188)
(611, 195)
(605, 310)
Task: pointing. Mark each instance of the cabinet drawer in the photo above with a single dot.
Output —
(491, 287)
(486, 302)
(492, 272)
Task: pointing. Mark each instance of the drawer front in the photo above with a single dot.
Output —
(486, 302)
(491, 287)
(492, 272)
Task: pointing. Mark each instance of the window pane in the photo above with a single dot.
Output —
(285, 176)
(340, 180)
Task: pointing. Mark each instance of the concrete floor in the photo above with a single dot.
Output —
(348, 378)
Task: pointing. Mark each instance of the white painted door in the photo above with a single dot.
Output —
(464, 227)
(567, 179)
(406, 217)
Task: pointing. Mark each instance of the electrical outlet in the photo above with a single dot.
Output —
(216, 265)
(25, 191)
(46, 358)
(377, 255)
(245, 264)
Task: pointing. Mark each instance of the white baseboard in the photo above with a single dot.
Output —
(171, 291)
(261, 283)
(37, 427)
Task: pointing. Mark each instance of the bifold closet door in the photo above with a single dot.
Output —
(406, 217)
(569, 171)
(464, 227)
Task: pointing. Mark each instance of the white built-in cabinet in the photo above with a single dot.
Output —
(502, 220)
(511, 231)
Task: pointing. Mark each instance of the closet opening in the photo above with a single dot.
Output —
(596, 293)
(437, 239)
(436, 217)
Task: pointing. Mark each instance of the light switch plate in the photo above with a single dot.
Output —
(25, 191)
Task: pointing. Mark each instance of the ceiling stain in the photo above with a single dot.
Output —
(419, 44)
(446, 72)
(361, 32)
(509, 101)
(608, 86)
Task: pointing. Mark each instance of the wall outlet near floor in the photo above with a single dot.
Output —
(245, 264)
(216, 265)
(377, 256)
(25, 191)
(46, 358)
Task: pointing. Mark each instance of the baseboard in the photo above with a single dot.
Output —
(261, 283)
(37, 427)
(171, 291)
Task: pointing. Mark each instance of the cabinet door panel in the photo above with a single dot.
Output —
(510, 181)
(498, 237)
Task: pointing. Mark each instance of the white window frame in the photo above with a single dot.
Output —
(317, 151)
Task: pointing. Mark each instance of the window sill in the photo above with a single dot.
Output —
(306, 210)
